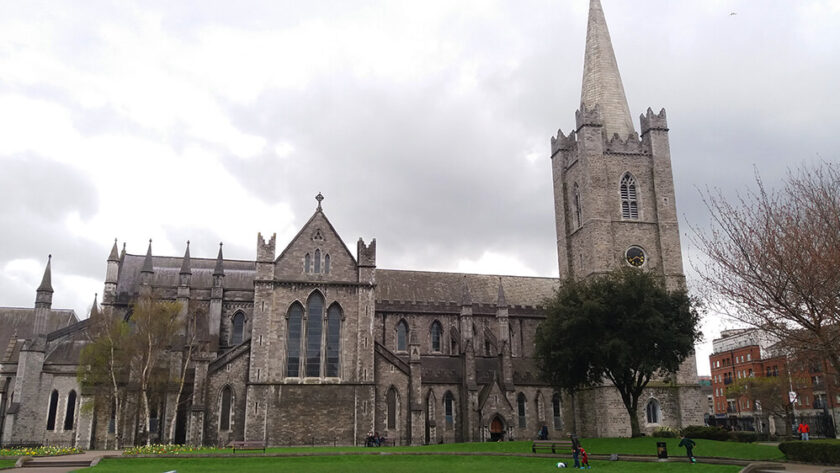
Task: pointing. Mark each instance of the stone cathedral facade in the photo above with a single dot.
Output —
(312, 343)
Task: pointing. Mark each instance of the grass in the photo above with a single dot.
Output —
(7, 463)
(379, 464)
(626, 446)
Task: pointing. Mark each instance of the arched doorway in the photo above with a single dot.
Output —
(497, 429)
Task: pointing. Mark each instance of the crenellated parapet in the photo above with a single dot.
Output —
(588, 117)
(562, 142)
(653, 121)
(366, 254)
(631, 145)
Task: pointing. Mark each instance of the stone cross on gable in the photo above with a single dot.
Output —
(319, 198)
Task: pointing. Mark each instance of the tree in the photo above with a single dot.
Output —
(156, 327)
(104, 362)
(623, 326)
(771, 259)
(190, 329)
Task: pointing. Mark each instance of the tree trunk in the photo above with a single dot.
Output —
(146, 417)
(182, 380)
(635, 431)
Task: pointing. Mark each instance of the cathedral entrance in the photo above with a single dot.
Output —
(497, 429)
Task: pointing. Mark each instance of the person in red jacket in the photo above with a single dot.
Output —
(584, 459)
(804, 430)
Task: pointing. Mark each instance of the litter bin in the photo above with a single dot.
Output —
(661, 449)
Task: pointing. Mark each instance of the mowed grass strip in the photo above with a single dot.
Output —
(5, 463)
(380, 464)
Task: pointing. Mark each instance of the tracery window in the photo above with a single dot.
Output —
(238, 328)
(327, 264)
(224, 411)
(652, 411)
(578, 212)
(70, 413)
(314, 326)
(392, 408)
(402, 336)
(293, 338)
(333, 340)
(449, 408)
(317, 261)
(520, 409)
(52, 410)
(436, 334)
(306, 263)
(558, 415)
(629, 202)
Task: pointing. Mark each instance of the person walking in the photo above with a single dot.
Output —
(575, 449)
(689, 447)
(804, 431)
(584, 459)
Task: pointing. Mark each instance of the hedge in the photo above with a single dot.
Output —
(812, 452)
(703, 432)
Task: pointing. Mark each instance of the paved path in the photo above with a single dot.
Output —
(59, 460)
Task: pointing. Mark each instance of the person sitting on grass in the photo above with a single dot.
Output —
(689, 447)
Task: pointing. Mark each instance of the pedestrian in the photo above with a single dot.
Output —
(804, 431)
(575, 449)
(543, 433)
(584, 459)
(689, 447)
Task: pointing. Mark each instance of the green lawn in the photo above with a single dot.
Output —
(7, 463)
(380, 464)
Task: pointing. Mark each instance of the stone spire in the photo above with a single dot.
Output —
(148, 267)
(466, 297)
(115, 253)
(94, 309)
(601, 80)
(220, 266)
(46, 281)
(186, 265)
(500, 300)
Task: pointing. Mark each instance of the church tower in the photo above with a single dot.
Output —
(613, 189)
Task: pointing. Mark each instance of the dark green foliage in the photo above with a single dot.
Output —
(703, 432)
(812, 452)
(664, 433)
(746, 437)
(622, 326)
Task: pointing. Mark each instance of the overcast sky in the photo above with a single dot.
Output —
(425, 124)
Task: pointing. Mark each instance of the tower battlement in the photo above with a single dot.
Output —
(631, 145)
(653, 121)
(562, 142)
(585, 116)
(366, 254)
(265, 249)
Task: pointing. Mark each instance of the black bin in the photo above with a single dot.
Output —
(661, 450)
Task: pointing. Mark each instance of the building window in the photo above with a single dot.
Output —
(333, 340)
(224, 412)
(555, 408)
(307, 263)
(392, 408)
(449, 408)
(327, 264)
(578, 212)
(70, 414)
(293, 340)
(629, 203)
(520, 409)
(402, 336)
(317, 261)
(652, 411)
(52, 410)
(238, 328)
(436, 332)
(749, 356)
(314, 327)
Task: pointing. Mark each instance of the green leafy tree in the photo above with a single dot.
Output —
(623, 326)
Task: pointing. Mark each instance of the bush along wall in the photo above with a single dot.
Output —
(703, 432)
(812, 452)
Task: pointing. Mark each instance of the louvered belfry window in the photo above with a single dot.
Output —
(629, 202)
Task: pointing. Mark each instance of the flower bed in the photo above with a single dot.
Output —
(161, 449)
(39, 451)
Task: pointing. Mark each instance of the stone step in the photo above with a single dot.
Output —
(57, 464)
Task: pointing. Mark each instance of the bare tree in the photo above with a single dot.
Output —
(190, 330)
(772, 258)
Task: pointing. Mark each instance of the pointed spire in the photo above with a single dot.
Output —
(46, 281)
(501, 301)
(466, 298)
(186, 266)
(601, 80)
(94, 309)
(122, 253)
(220, 267)
(148, 267)
(115, 254)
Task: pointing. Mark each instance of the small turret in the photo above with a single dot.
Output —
(265, 257)
(43, 301)
(185, 275)
(148, 269)
(217, 292)
(219, 271)
(112, 274)
(467, 328)
(366, 257)
(94, 309)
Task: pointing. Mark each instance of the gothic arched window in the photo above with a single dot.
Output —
(327, 264)
(306, 263)
(652, 411)
(293, 340)
(449, 408)
(314, 327)
(578, 211)
(224, 410)
(402, 336)
(317, 261)
(629, 202)
(392, 408)
(436, 333)
(520, 409)
(555, 408)
(70, 413)
(238, 328)
(52, 411)
(333, 340)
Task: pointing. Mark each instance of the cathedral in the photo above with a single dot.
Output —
(311, 343)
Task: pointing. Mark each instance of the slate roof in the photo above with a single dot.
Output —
(239, 274)
(16, 324)
(428, 286)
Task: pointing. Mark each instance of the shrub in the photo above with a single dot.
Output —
(703, 432)
(160, 449)
(812, 452)
(742, 436)
(664, 433)
(38, 451)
